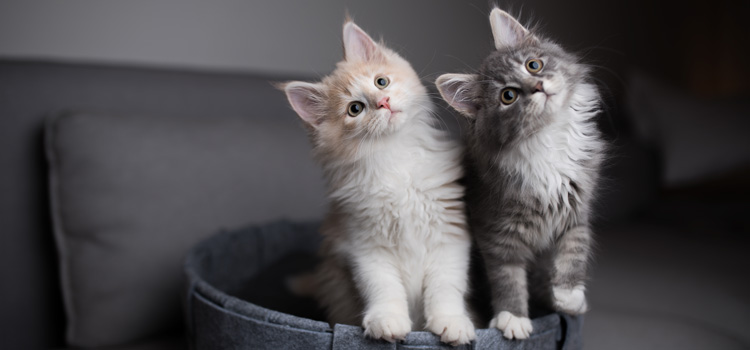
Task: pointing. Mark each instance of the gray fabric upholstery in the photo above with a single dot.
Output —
(32, 314)
(228, 265)
(132, 194)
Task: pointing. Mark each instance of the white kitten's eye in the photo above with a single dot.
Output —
(381, 82)
(508, 95)
(355, 108)
(534, 65)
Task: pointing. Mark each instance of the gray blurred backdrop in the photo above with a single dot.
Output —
(298, 38)
(672, 40)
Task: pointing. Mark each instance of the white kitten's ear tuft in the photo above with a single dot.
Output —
(459, 90)
(358, 46)
(307, 99)
(506, 30)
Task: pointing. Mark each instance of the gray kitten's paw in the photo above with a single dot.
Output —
(512, 326)
(388, 326)
(452, 329)
(570, 300)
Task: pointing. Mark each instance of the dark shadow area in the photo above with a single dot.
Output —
(269, 288)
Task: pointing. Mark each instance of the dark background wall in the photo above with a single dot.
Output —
(693, 44)
(701, 46)
(289, 37)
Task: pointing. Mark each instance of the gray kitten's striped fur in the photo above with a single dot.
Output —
(533, 166)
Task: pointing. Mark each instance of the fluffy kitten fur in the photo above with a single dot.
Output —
(396, 247)
(533, 167)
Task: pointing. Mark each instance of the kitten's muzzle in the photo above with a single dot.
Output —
(539, 87)
(383, 103)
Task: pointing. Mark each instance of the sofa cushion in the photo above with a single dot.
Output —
(131, 195)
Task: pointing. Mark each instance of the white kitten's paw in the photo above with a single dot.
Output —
(512, 326)
(570, 300)
(388, 326)
(452, 329)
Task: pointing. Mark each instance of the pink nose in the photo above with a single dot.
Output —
(539, 87)
(383, 103)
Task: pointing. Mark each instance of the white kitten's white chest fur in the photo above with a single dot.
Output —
(402, 207)
(401, 231)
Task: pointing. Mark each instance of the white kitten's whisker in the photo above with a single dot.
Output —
(436, 116)
(444, 124)
(356, 134)
(428, 63)
(449, 112)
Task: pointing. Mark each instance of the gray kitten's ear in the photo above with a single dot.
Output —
(506, 30)
(307, 99)
(459, 91)
(358, 46)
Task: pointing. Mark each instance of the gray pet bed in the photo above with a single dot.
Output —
(236, 299)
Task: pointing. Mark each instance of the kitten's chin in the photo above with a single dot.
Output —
(392, 121)
(544, 104)
(540, 104)
(394, 117)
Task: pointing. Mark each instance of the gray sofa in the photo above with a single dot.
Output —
(110, 174)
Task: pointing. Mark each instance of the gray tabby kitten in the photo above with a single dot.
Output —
(533, 161)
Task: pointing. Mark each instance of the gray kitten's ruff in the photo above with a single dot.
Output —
(521, 230)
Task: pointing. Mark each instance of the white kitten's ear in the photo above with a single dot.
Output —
(459, 90)
(506, 30)
(358, 46)
(307, 99)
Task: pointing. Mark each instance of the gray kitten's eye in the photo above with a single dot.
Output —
(534, 65)
(381, 82)
(355, 108)
(508, 95)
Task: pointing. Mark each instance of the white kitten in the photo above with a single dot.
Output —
(396, 247)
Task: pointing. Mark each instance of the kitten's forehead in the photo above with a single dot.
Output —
(352, 80)
(354, 76)
(505, 65)
(502, 63)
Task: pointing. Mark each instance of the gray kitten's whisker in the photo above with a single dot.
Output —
(470, 68)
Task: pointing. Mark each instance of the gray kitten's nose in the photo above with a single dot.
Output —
(538, 87)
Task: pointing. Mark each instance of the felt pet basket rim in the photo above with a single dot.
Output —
(564, 330)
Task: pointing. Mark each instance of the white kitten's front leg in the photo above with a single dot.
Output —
(445, 287)
(386, 308)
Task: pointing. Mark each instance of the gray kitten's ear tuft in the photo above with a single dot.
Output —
(307, 99)
(506, 30)
(358, 46)
(459, 90)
